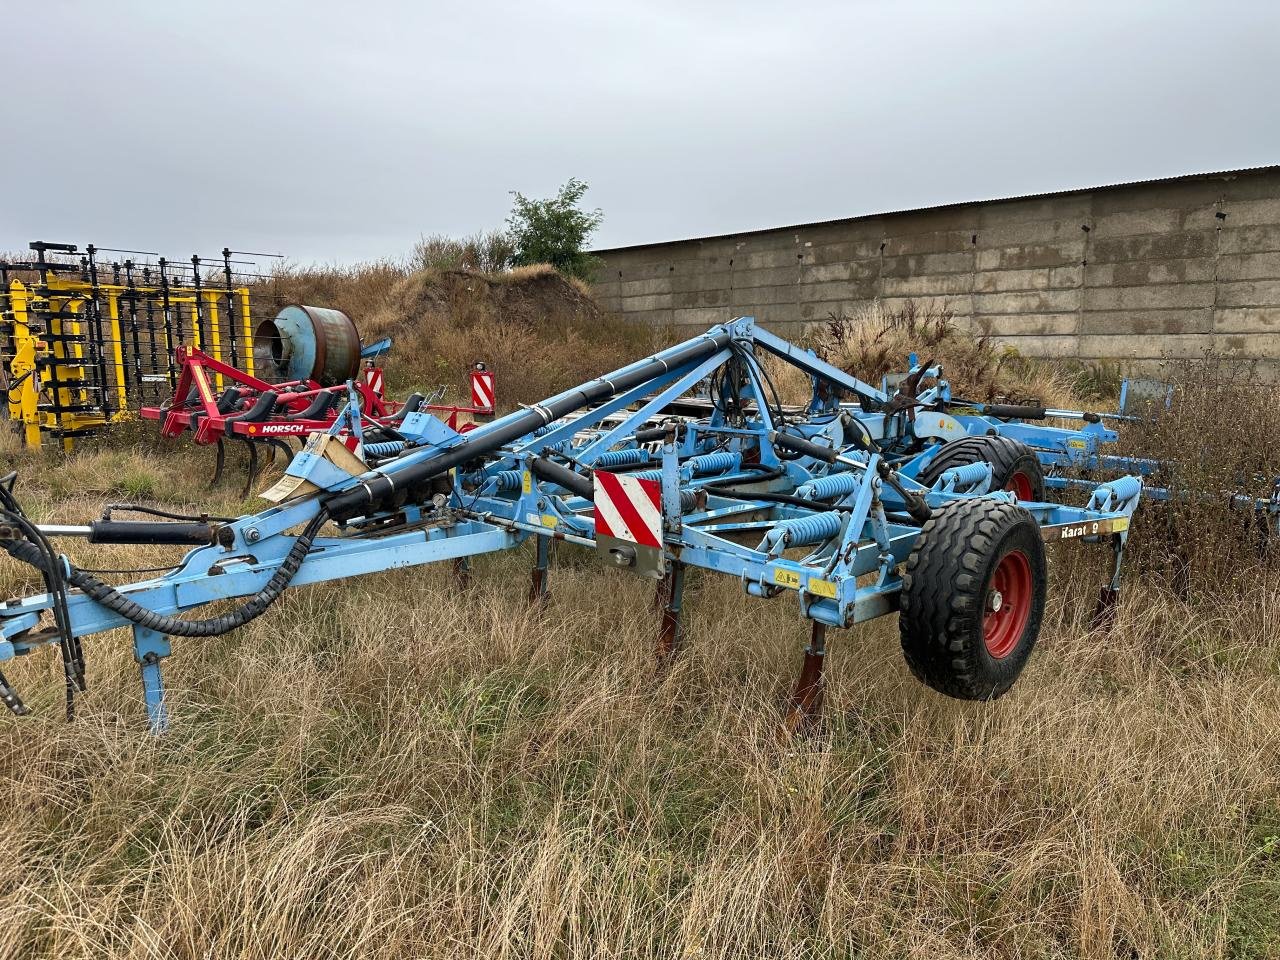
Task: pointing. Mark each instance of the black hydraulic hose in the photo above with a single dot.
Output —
(516, 425)
(571, 480)
(118, 603)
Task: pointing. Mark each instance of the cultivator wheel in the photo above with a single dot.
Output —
(972, 598)
(1014, 465)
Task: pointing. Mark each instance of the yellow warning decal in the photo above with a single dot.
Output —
(1077, 444)
(822, 588)
(526, 482)
(785, 578)
(550, 519)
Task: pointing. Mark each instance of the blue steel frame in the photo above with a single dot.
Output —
(863, 530)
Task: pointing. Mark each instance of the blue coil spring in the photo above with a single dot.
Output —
(802, 530)
(622, 458)
(646, 474)
(509, 479)
(835, 485)
(1124, 488)
(714, 462)
(388, 449)
(969, 474)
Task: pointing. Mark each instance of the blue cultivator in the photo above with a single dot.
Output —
(849, 512)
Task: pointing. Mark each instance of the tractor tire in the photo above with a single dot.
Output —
(1014, 465)
(973, 597)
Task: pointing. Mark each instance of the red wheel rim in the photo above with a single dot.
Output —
(1007, 605)
(1020, 485)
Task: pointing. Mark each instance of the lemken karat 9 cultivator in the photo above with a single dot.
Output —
(848, 510)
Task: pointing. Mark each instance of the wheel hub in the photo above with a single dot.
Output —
(1008, 606)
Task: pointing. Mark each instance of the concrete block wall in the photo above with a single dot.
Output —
(1135, 272)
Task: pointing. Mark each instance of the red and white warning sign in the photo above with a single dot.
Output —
(482, 389)
(373, 377)
(628, 508)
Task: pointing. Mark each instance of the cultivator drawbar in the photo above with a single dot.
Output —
(861, 505)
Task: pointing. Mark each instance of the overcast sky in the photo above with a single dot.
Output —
(341, 131)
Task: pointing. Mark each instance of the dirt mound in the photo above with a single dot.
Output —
(538, 331)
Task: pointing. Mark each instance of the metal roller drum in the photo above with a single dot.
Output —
(307, 343)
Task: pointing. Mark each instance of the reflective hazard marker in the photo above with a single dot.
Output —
(628, 519)
(482, 389)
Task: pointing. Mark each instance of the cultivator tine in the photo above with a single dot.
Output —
(805, 706)
(283, 448)
(462, 573)
(538, 580)
(669, 599)
(220, 461)
(253, 468)
(1104, 615)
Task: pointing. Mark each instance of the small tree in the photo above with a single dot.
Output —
(555, 231)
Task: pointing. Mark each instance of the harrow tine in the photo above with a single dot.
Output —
(805, 707)
(253, 468)
(219, 463)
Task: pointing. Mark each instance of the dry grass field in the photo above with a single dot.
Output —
(399, 766)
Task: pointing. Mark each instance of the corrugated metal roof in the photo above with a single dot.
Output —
(1224, 174)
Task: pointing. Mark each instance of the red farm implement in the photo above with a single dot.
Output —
(217, 402)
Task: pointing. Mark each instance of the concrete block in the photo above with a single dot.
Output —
(1003, 281)
(1047, 347)
(1249, 266)
(1136, 222)
(1019, 234)
(1247, 320)
(818, 310)
(787, 293)
(1258, 185)
(838, 290)
(702, 298)
(641, 288)
(1259, 239)
(765, 277)
(1075, 207)
(1130, 273)
(938, 284)
(645, 304)
(786, 257)
(844, 251)
(1171, 246)
(1249, 293)
(1251, 213)
(1265, 345)
(1183, 194)
(1031, 301)
(917, 264)
(1152, 297)
(1147, 323)
(1126, 347)
(1065, 253)
(959, 306)
(1026, 325)
(1066, 277)
(933, 242)
(826, 272)
(702, 316)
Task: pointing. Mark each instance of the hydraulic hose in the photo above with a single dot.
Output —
(111, 598)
